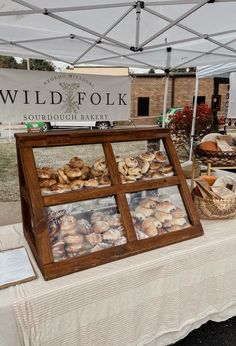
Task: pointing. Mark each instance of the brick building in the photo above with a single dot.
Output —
(148, 93)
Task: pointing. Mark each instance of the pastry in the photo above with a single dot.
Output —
(137, 215)
(114, 220)
(97, 216)
(136, 172)
(76, 162)
(58, 187)
(156, 175)
(83, 226)
(100, 226)
(147, 156)
(95, 173)
(111, 235)
(44, 172)
(166, 168)
(148, 227)
(85, 169)
(100, 165)
(68, 225)
(94, 238)
(155, 165)
(178, 212)
(91, 182)
(159, 156)
(74, 239)
(162, 217)
(122, 168)
(131, 162)
(145, 211)
(73, 173)
(147, 203)
(47, 182)
(58, 251)
(62, 177)
(76, 184)
(180, 221)
(165, 207)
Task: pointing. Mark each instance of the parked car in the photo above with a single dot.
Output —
(45, 126)
(170, 112)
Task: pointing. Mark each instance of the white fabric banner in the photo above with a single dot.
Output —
(232, 96)
(53, 96)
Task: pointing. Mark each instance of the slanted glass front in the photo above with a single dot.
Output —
(84, 227)
(142, 160)
(157, 212)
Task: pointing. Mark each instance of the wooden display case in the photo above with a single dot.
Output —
(130, 197)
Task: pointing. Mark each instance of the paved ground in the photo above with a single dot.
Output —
(10, 213)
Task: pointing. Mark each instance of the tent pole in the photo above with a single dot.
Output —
(194, 118)
(165, 100)
(167, 71)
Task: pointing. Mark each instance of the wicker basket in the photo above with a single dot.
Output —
(215, 209)
(216, 158)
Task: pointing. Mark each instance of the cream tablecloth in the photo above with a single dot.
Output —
(154, 298)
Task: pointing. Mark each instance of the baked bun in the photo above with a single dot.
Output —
(145, 211)
(100, 165)
(68, 225)
(47, 182)
(208, 145)
(73, 173)
(100, 226)
(160, 156)
(62, 177)
(44, 172)
(76, 184)
(74, 239)
(163, 217)
(97, 216)
(147, 156)
(131, 162)
(91, 182)
(76, 162)
(83, 226)
(178, 212)
(165, 207)
(147, 203)
(94, 238)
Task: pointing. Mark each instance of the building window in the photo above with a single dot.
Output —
(143, 106)
(200, 100)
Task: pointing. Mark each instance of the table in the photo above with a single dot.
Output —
(154, 298)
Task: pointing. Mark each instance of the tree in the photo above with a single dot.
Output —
(181, 124)
(37, 64)
(7, 62)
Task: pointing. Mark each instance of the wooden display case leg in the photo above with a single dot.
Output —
(208, 168)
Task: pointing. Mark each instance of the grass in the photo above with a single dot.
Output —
(9, 190)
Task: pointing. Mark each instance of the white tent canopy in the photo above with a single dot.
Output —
(220, 70)
(127, 33)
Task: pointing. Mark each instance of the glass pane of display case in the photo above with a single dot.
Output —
(142, 160)
(84, 227)
(71, 168)
(156, 212)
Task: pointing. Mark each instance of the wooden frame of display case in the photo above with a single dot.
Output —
(33, 203)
